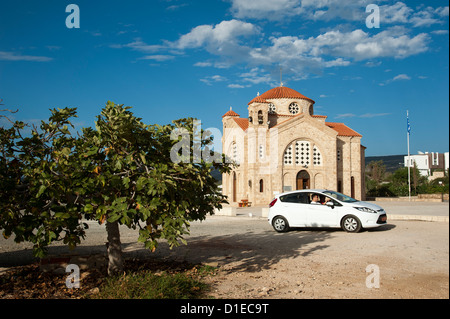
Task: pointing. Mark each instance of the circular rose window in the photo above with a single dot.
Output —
(293, 108)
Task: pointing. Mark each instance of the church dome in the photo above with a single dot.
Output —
(280, 92)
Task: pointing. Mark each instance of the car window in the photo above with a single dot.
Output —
(299, 198)
(322, 198)
(341, 197)
(330, 199)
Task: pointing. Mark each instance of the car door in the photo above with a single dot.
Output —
(295, 209)
(322, 215)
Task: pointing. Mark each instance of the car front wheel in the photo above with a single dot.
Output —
(351, 224)
(280, 224)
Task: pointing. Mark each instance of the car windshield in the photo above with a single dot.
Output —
(340, 197)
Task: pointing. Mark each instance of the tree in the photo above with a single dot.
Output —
(375, 174)
(36, 182)
(119, 173)
(376, 170)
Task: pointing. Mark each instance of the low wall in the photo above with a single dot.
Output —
(433, 196)
(419, 198)
(225, 211)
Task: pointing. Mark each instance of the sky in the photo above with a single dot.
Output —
(364, 63)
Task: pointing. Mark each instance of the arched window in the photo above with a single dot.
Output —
(317, 156)
(261, 186)
(234, 153)
(260, 117)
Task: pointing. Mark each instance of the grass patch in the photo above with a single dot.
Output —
(146, 285)
(142, 279)
(176, 283)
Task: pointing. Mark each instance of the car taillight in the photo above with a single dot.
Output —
(273, 202)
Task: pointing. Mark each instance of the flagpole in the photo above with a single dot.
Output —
(409, 157)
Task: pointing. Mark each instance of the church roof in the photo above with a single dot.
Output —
(280, 92)
(342, 129)
(242, 123)
(230, 113)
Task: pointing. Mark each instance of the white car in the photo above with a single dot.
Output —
(336, 210)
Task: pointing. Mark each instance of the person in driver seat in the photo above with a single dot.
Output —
(315, 200)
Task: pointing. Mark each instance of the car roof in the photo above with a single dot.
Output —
(303, 191)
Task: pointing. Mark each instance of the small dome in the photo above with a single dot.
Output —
(230, 113)
(280, 92)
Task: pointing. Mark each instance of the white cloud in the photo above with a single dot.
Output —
(367, 115)
(11, 56)
(326, 10)
(218, 37)
(397, 13)
(237, 86)
(337, 62)
(265, 9)
(212, 79)
(336, 48)
(225, 39)
(139, 45)
(296, 55)
(234, 41)
(440, 32)
(370, 115)
(345, 115)
(400, 77)
(158, 57)
(203, 64)
(176, 6)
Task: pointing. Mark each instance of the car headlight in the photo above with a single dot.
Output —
(365, 210)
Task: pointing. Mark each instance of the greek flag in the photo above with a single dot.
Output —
(408, 126)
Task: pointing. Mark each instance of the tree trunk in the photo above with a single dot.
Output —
(115, 264)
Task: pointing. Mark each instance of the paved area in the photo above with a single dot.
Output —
(12, 253)
(257, 262)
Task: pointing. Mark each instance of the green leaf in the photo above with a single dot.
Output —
(41, 191)
(126, 182)
(141, 183)
(62, 215)
(113, 217)
(143, 158)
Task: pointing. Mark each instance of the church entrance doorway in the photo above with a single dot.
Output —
(303, 180)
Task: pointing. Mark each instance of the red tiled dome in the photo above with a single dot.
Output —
(280, 92)
(230, 113)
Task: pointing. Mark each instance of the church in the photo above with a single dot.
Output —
(283, 146)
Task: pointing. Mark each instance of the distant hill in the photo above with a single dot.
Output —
(392, 162)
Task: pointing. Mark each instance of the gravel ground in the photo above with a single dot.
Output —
(256, 262)
(412, 258)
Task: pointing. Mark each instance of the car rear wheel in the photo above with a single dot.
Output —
(351, 224)
(280, 224)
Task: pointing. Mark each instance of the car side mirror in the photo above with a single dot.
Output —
(330, 204)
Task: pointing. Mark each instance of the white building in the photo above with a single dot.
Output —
(427, 162)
